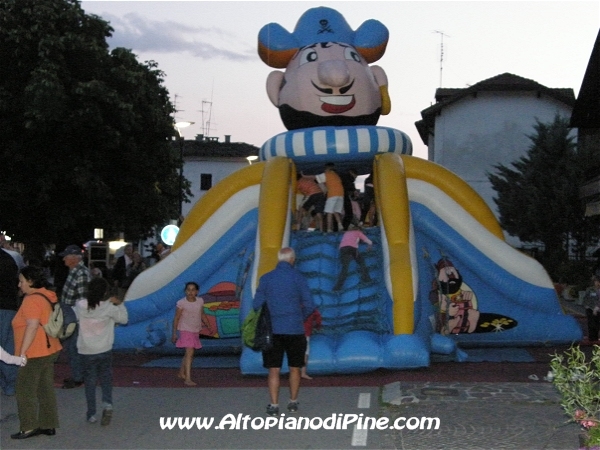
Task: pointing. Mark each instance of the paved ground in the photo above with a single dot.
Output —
(471, 416)
(479, 416)
(479, 406)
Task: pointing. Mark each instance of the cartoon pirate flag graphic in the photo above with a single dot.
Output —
(457, 309)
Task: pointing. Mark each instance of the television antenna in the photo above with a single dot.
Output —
(175, 106)
(206, 124)
(442, 34)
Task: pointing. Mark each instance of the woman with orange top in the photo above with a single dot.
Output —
(334, 205)
(36, 400)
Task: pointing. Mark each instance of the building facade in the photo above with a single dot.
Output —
(471, 130)
(208, 161)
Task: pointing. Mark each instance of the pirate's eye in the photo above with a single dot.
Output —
(308, 55)
(350, 53)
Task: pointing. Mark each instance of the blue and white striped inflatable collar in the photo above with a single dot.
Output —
(356, 143)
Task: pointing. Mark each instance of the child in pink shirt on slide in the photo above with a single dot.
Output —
(349, 251)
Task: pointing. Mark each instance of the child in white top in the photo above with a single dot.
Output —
(7, 358)
(97, 316)
(189, 318)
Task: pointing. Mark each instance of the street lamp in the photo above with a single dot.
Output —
(178, 127)
(98, 234)
(251, 158)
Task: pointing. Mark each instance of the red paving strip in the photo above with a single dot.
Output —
(128, 372)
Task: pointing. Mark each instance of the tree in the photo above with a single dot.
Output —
(538, 197)
(84, 132)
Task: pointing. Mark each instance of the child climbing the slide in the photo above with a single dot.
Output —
(189, 318)
(349, 251)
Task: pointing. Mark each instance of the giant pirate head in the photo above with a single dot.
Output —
(328, 80)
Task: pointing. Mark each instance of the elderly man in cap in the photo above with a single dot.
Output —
(74, 289)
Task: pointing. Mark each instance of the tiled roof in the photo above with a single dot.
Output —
(212, 149)
(506, 82)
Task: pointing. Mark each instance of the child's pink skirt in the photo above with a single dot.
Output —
(188, 339)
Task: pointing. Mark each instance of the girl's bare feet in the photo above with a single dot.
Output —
(306, 376)
(189, 383)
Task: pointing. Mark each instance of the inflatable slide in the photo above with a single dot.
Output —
(392, 322)
(442, 276)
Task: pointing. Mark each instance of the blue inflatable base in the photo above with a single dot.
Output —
(353, 352)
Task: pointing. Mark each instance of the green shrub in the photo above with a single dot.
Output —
(578, 382)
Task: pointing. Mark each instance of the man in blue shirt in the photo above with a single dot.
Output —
(288, 297)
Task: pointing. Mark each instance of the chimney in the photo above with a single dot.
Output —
(227, 138)
(200, 137)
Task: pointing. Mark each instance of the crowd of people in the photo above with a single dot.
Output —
(33, 352)
(28, 353)
(331, 202)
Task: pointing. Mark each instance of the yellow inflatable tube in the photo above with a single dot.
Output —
(456, 188)
(273, 210)
(391, 193)
(215, 197)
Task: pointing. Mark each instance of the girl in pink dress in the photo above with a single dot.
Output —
(189, 318)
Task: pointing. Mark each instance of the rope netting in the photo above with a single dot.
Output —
(358, 305)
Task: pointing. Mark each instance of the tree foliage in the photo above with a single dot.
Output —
(84, 132)
(538, 196)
